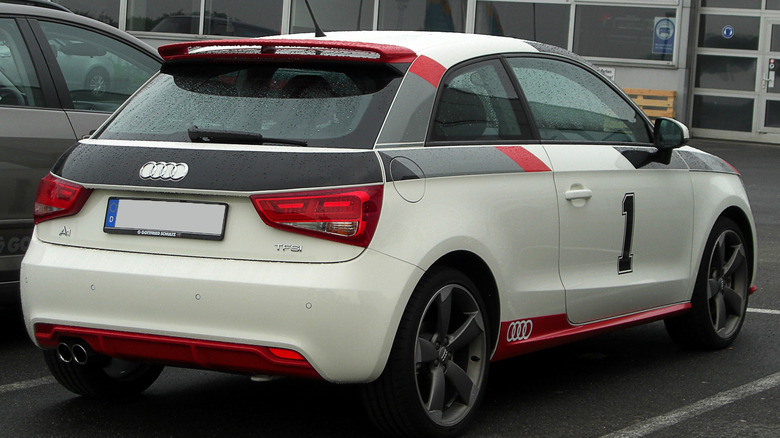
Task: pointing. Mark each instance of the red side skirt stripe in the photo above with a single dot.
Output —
(532, 334)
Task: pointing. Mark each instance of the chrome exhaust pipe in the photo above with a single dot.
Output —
(64, 353)
(80, 354)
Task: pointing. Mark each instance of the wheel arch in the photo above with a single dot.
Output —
(739, 216)
(474, 267)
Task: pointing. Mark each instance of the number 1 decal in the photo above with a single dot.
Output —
(626, 259)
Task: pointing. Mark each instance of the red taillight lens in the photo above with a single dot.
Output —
(57, 198)
(347, 215)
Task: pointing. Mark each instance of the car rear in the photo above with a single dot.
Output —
(223, 217)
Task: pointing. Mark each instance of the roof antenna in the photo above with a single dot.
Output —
(318, 33)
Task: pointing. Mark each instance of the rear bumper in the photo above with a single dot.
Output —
(341, 317)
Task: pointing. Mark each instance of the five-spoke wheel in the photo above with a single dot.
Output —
(437, 371)
(720, 295)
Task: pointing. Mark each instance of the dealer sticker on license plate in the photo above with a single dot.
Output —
(146, 217)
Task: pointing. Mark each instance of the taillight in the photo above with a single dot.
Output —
(346, 215)
(57, 198)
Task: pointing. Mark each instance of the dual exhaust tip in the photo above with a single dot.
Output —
(74, 352)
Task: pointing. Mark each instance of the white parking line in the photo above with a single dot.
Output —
(768, 311)
(702, 406)
(26, 384)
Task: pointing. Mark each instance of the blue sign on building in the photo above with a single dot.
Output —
(663, 36)
(728, 31)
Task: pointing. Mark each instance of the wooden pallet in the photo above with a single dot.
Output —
(655, 103)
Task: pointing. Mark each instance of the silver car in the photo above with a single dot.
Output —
(61, 75)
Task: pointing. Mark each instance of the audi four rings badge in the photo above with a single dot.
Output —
(519, 330)
(164, 171)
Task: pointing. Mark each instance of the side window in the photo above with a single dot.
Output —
(18, 83)
(569, 103)
(100, 72)
(477, 102)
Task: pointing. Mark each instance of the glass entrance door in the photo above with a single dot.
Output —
(769, 93)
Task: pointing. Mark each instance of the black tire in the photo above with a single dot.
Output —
(720, 295)
(97, 82)
(103, 377)
(437, 372)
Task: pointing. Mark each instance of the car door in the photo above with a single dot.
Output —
(625, 220)
(34, 131)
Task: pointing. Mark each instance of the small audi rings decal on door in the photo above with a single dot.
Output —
(165, 171)
(519, 330)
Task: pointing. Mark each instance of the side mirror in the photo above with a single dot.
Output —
(670, 134)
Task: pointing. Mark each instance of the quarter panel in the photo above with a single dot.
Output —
(507, 217)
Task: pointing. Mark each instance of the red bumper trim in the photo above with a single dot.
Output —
(220, 356)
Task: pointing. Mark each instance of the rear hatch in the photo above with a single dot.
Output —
(248, 157)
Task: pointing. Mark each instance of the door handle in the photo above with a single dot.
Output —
(578, 194)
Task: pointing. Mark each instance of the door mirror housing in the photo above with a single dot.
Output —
(670, 134)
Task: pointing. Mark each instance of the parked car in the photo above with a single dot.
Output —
(61, 75)
(387, 208)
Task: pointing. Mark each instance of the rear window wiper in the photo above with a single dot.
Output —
(198, 135)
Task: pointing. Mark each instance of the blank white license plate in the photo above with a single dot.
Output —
(145, 217)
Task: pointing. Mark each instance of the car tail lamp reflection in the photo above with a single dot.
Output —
(346, 215)
(57, 198)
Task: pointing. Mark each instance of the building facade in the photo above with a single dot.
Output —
(718, 56)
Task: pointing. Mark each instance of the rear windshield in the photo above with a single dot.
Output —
(323, 105)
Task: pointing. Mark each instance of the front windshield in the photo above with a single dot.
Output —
(327, 105)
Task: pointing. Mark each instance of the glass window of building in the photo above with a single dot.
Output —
(173, 16)
(724, 113)
(625, 32)
(543, 22)
(434, 15)
(222, 17)
(243, 19)
(729, 32)
(726, 72)
(106, 11)
(775, 42)
(332, 15)
(733, 4)
(773, 5)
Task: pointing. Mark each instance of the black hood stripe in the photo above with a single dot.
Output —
(703, 162)
(219, 170)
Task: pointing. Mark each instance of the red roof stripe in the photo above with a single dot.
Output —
(428, 69)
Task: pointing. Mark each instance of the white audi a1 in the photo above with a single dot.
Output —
(397, 209)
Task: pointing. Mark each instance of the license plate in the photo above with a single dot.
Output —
(176, 219)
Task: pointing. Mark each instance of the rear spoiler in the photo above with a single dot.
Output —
(262, 48)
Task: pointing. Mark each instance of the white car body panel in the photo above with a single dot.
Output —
(593, 233)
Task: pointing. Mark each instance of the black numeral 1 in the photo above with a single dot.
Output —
(626, 259)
